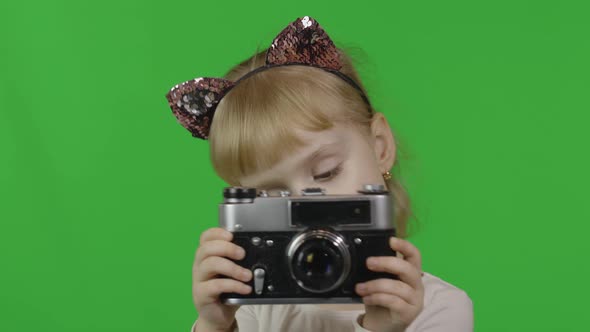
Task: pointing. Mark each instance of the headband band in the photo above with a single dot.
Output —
(335, 72)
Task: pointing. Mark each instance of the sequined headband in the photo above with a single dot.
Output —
(303, 42)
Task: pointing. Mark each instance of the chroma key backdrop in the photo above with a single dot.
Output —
(103, 195)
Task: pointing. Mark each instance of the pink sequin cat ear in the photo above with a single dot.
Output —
(193, 103)
(304, 42)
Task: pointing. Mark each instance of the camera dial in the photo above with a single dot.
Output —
(373, 189)
(239, 194)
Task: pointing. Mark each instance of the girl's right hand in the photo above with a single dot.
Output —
(211, 261)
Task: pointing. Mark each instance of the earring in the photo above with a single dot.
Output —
(387, 176)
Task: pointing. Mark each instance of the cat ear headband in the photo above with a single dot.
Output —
(303, 42)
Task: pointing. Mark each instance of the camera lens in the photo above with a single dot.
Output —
(318, 261)
(317, 264)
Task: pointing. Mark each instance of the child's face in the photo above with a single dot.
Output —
(338, 159)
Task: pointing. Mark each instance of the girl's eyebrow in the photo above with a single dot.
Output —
(319, 151)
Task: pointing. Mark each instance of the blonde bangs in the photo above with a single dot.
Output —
(254, 124)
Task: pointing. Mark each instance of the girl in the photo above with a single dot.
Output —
(292, 117)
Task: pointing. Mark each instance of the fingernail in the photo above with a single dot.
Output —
(240, 252)
(361, 287)
(247, 274)
(371, 262)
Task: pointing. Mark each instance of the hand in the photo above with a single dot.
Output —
(391, 305)
(210, 262)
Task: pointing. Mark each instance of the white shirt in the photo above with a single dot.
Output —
(446, 309)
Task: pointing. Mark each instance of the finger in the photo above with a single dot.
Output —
(395, 265)
(410, 252)
(389, 286)
(214, 265)
(208, 291)
(216, 233)
(221, 248)
(392, 302)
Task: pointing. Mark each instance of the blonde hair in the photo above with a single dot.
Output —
(259, 113)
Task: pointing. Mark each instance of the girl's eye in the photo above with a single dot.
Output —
(328, 175)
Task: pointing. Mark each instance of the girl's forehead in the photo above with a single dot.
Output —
(313, 139)
(316, 142)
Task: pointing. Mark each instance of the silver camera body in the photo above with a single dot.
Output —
(310, 248)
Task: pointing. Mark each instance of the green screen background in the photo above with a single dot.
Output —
(103, 194)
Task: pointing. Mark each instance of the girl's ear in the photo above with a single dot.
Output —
(384, 143)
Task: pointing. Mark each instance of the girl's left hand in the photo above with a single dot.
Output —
(391, 305)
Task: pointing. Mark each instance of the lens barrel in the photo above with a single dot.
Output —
(318, 260)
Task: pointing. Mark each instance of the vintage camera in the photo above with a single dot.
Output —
(310, 248)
